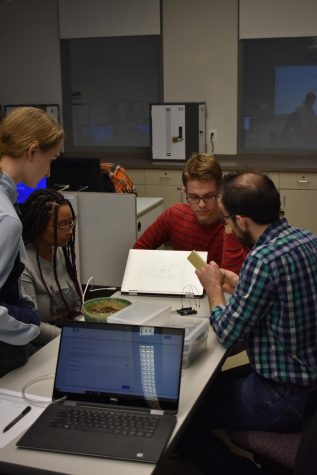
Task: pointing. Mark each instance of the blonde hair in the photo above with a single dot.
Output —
(202, 166)
(25, 126)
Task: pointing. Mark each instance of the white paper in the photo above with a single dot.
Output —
(11, 405)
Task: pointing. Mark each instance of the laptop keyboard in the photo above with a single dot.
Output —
(140, 425)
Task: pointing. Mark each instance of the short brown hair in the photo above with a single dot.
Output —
(25, 126)
(203, 167)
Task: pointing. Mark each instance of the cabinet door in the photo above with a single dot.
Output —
(163, 177)
(300, 208)
(166, 184)
(171, 194)
(138, 178)
(298, 181)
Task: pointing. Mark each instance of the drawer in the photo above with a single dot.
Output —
(136, 175)
(163, 177)
(298, 181)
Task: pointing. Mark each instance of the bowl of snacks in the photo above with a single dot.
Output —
(99, 309)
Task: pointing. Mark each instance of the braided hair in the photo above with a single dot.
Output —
(35, 215)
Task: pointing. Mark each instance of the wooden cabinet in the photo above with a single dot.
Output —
(299, 199)
(160, 183)
(138, 178)
(166, 184)
(298, 191)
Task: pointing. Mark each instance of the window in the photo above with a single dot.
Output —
(108, 84)
(278, 110)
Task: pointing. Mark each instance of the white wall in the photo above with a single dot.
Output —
(200, 61)
(277, 18)
(82, 18)
(29, 52)
(200, 53)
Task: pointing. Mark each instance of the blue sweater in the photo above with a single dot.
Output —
(19, 320)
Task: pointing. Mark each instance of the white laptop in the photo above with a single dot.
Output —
(162, 272)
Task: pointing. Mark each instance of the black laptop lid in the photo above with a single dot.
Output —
(75, 174)
(120, 365)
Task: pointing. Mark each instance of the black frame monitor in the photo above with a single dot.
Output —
(75, 174)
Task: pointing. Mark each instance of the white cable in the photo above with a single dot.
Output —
(37, 380)
(66, 187)
(94, 290)
(86, 287)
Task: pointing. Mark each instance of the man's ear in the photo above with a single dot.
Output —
(242, 222)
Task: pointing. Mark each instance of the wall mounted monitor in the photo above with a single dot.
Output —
(75, 174)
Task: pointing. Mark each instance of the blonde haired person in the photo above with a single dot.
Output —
(197, 224)
(30, 139)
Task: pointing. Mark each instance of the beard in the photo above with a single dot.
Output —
(244, 237)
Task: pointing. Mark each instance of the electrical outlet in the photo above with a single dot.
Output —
(213, 135)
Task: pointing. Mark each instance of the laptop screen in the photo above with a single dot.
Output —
(122, 365)
(75, 174)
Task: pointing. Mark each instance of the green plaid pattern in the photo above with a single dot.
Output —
(274, 308)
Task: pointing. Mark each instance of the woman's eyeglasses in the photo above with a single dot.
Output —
(195, 199)
(65, 225)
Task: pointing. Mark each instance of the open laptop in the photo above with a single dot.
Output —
(106, 372)
(161, 272)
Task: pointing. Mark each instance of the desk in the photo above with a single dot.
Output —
(147, 210)
(194, 381)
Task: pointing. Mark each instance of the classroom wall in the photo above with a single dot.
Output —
(201, 62)
(200, 52)
(29, 52)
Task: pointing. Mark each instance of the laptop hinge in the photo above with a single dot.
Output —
(133, 292)
(70, 403)
(157, 412)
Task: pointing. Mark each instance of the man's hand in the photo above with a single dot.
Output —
(216, 281)
(212, 278)
(230, 280)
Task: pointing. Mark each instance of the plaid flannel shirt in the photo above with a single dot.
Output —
(274, 308)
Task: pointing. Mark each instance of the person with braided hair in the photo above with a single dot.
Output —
(50, 275)
(30, 139)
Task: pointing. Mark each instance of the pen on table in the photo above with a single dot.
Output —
(18, 418)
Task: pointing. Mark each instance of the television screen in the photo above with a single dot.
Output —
(24, 191)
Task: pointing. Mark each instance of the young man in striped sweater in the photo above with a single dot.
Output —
(197, 224)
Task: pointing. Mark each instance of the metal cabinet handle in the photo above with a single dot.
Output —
(303, 181)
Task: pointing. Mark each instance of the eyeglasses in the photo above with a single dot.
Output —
(65, 225)
(195, 199)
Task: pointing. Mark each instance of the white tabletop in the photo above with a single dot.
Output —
(194, 380)
(144, 204)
